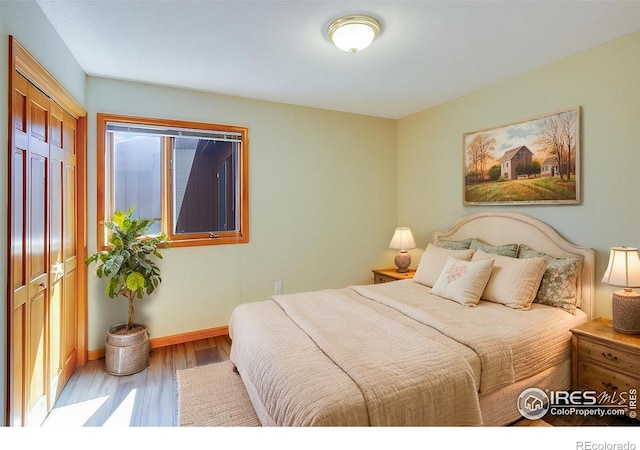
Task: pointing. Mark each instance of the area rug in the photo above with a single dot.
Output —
(213, 396)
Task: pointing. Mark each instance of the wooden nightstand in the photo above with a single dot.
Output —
(604, 359)
(386, 275)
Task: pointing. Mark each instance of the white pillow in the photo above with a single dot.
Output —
(514, 282)
(433, 260)
(463, 281)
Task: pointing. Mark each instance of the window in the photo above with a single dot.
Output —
(192, 176)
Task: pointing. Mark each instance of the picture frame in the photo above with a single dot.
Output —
(533, 161)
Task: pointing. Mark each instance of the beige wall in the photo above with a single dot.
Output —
(322, 207)
(605, 83)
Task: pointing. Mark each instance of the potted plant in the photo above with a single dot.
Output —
(130, 267)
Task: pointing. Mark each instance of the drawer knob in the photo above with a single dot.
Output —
(609, 357)
(609, 387)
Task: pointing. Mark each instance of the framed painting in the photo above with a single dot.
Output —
(535, 161)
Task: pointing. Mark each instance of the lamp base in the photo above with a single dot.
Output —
(625, 308)
(403, 261)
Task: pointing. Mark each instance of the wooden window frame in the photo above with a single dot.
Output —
(238, 236)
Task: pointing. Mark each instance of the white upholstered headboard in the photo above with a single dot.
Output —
(497, 228)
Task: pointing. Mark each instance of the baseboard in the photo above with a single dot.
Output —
(173, 340)
(188, 337)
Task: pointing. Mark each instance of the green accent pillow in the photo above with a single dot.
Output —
(559, 286)
(454, 245)
(510, 250)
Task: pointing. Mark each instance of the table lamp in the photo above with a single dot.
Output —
(402, 241)
(624, 271)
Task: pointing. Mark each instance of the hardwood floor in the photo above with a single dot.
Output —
(93, 398)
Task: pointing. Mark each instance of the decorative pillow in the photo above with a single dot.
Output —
(510, 250)
(514, 282)
(454, 245)
(433, 260)
(559, 286)
(463, 281)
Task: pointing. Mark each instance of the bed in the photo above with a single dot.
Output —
(487, 315)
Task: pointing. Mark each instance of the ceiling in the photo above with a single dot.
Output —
(428, 52)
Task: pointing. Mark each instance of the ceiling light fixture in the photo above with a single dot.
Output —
(353, 33)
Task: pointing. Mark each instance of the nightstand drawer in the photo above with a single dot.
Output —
(386, 275)
(614, 358)
(597, 378)
(380, 278)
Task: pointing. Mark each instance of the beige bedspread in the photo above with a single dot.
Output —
(386, 354)
(512, 344)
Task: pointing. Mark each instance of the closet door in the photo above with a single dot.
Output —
(43, 253)
(63, 308)
(37, 219)
(56, 259)
(19, 285)
(62, 250)
(71, 261)
(46, 310)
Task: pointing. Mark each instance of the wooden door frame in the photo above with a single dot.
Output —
(21, 61)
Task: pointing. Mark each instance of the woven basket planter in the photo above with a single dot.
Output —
(126, 354)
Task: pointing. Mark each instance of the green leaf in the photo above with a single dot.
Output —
(119, 218)
(135, 281)
(111, 288)
(113, 265)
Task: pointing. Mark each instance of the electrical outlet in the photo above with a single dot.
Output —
(278, 287)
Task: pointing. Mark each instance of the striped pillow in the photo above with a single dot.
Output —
(514, 282)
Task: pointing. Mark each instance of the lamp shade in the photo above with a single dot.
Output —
(353, 33)
(402, 239)
(624, 268)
